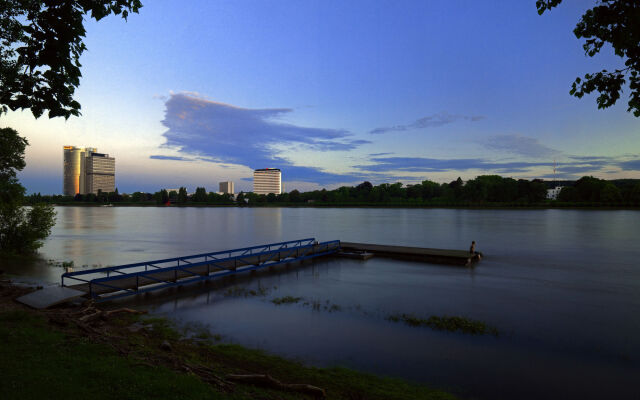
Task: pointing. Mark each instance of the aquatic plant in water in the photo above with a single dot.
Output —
(286, 300)
(446, 323)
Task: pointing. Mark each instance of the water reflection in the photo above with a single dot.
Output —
(563, 285)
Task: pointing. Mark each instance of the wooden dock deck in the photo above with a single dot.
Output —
(113, 282)
(439, 256)
(239, 264)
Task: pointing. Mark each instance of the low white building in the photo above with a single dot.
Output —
(552, 194)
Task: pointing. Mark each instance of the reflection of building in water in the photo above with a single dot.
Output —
(267, 180)
(86, 171)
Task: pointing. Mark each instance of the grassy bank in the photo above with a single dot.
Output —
(54, 355)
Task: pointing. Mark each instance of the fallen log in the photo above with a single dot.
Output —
(269, 381)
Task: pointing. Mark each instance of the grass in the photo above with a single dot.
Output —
(41, 363)
(38, 361)
(239, 291)
(446, 323)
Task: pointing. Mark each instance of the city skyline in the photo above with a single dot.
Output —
(87, 171)
(412, 91)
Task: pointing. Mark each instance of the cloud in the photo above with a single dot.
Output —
(379, 154)
(173, 158)
(422, 164)
(520, 145)
(224, 133)
(430, 121)
(631, 165)
(426, 165)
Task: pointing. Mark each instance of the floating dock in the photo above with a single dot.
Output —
(113, 282)
(440, 256)
(110, 283)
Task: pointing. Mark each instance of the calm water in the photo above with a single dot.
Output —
(562, 287)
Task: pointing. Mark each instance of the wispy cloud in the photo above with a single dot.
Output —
(224, 133)
(631, 165)
(571, 167)
(172, 158)
(422, 164)
(519, 145)
(430, 121)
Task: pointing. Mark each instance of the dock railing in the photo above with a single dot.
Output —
(167, 272)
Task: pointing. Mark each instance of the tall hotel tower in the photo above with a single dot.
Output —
(267, 180)
(72, 170)
(86, 171)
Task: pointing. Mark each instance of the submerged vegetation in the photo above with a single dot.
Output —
(56, 354)
(446, 323)
(286, 300)
(239, 291)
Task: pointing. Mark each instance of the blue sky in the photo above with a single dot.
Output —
(335, 93)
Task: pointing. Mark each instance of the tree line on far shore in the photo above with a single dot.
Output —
(485, 189)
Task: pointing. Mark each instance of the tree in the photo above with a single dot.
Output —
(200, 196)
(182, 195)
(40, 59)
(294, 196)
(161, 197)
(614, 22)
(21, 230)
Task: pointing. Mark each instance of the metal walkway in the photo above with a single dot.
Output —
(124, 280)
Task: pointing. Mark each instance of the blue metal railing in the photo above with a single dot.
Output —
(267, 255)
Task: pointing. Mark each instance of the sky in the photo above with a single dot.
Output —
(334, 93)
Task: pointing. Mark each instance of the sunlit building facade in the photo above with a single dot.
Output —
(87, 171)
(99, 173)
(267, 180)
(226, 187)
(73, 160)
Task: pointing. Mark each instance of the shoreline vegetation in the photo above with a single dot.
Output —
(486, 191)
(81, 350)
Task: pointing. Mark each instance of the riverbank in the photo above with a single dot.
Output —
(469, 206)
(83, 351)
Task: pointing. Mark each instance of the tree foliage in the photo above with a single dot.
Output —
(616, 22)
(22, 229)
(40, 48)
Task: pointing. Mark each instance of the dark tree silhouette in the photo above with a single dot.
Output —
(40, 48)
(616, 22)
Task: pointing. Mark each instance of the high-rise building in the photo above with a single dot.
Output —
(73, 160)
(226, 187)
(267, 180)
(100, 173)
(86, 171)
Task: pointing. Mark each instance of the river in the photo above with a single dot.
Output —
(561, 286)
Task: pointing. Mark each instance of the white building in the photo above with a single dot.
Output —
(552, 194)
(99, 172)
(226, 187)
(267, 180)
(87, 171)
